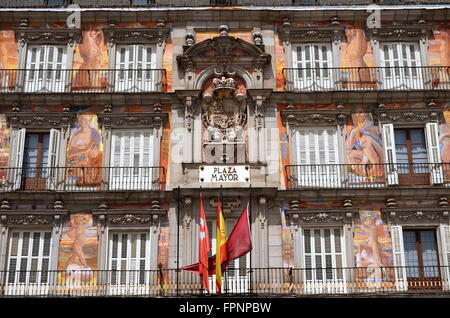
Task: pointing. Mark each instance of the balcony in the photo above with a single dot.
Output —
(202, 3)
(367, 176)
(41, 81)
(280, 282)
(82, 179)
(435, 78)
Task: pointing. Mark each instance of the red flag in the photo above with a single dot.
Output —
(239, 243)
(204, 247)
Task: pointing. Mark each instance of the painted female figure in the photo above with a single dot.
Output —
(364, 146)
(84, 153)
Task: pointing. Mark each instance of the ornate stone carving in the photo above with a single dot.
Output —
(257, 38)
(136, 35)
(54, 36)
(40, 120)
(411, 32)
(334, 33)
(420, 215)
(190, 38)
(409, 116)
(296, 118)
(132, 120)
(29, 220)
(322, 216)
(130, 219)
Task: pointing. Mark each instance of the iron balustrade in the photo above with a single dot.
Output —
(203, 3)
(367, 79)
(82, 179)
(365, 176)
(82, 81)
(255, 281)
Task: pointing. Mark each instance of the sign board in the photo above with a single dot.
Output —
(222, 174)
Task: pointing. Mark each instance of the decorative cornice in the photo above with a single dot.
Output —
(40, 120)
(46, 35)
(409, 115)
(333, 33)
(410, 32)
(120, 217)
(132, 120)
(115, 35)
(428, 215)
(29, 220)
(302, 118)
(130, 219)
(32, 218)
(222, 51)
(322, 216)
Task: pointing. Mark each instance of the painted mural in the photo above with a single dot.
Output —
(4, 144)
(364, 147)
(85, 150)
(9, 54)
(373, 247)
(444, 143)
(91, 54)
(78, 251)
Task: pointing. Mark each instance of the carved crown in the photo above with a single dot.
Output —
(223, 83)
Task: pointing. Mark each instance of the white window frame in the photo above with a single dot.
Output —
(26, 283)
(316, 285)
(127, 178)
(317, 174)
(408, 75)
(135, 75)
(131, 283)
(51, 75)
(311, 74)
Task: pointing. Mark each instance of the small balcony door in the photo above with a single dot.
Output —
(28, 263)
(313, 63)
(400, 66)
(135, 66)
(317, 157)
(35, 161)
(236, 278)
(129, 263)
(132, 160)
(421, 259)
(323, 261)
(412, 158)
(45, 69)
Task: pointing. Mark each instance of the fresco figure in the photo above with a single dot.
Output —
(353, 57)
(444, 145)
(364, 146)
(7, 76)
(84, 152)
(91, 53)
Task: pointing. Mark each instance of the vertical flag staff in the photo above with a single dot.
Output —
(204, 246)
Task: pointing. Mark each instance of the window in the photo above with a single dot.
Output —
(36, 159)
(45, 66)
(313, 63)
(132, 159)
(400, 66)
(135, 66)
(29, 257)
(317, 157)
(412, 155)
(129, 258)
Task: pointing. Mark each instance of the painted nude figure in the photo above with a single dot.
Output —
(364, 146)
(84, 152)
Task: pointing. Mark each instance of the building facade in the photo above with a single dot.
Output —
(330, 120)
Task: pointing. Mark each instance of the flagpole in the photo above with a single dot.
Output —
(250, 225)
(178, 240)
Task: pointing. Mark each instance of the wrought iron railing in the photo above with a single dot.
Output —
(255, 281)
(81, 179)
(365, 176)
(367, 79)
(82, 81)
(202, 3)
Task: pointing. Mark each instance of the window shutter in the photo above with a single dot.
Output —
(53, 159)
(17, 170)
(434, 158)
(399, 257)
(389, 154)
(444, 231)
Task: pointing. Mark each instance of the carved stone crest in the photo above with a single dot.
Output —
(130, 219)
(29, 220)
